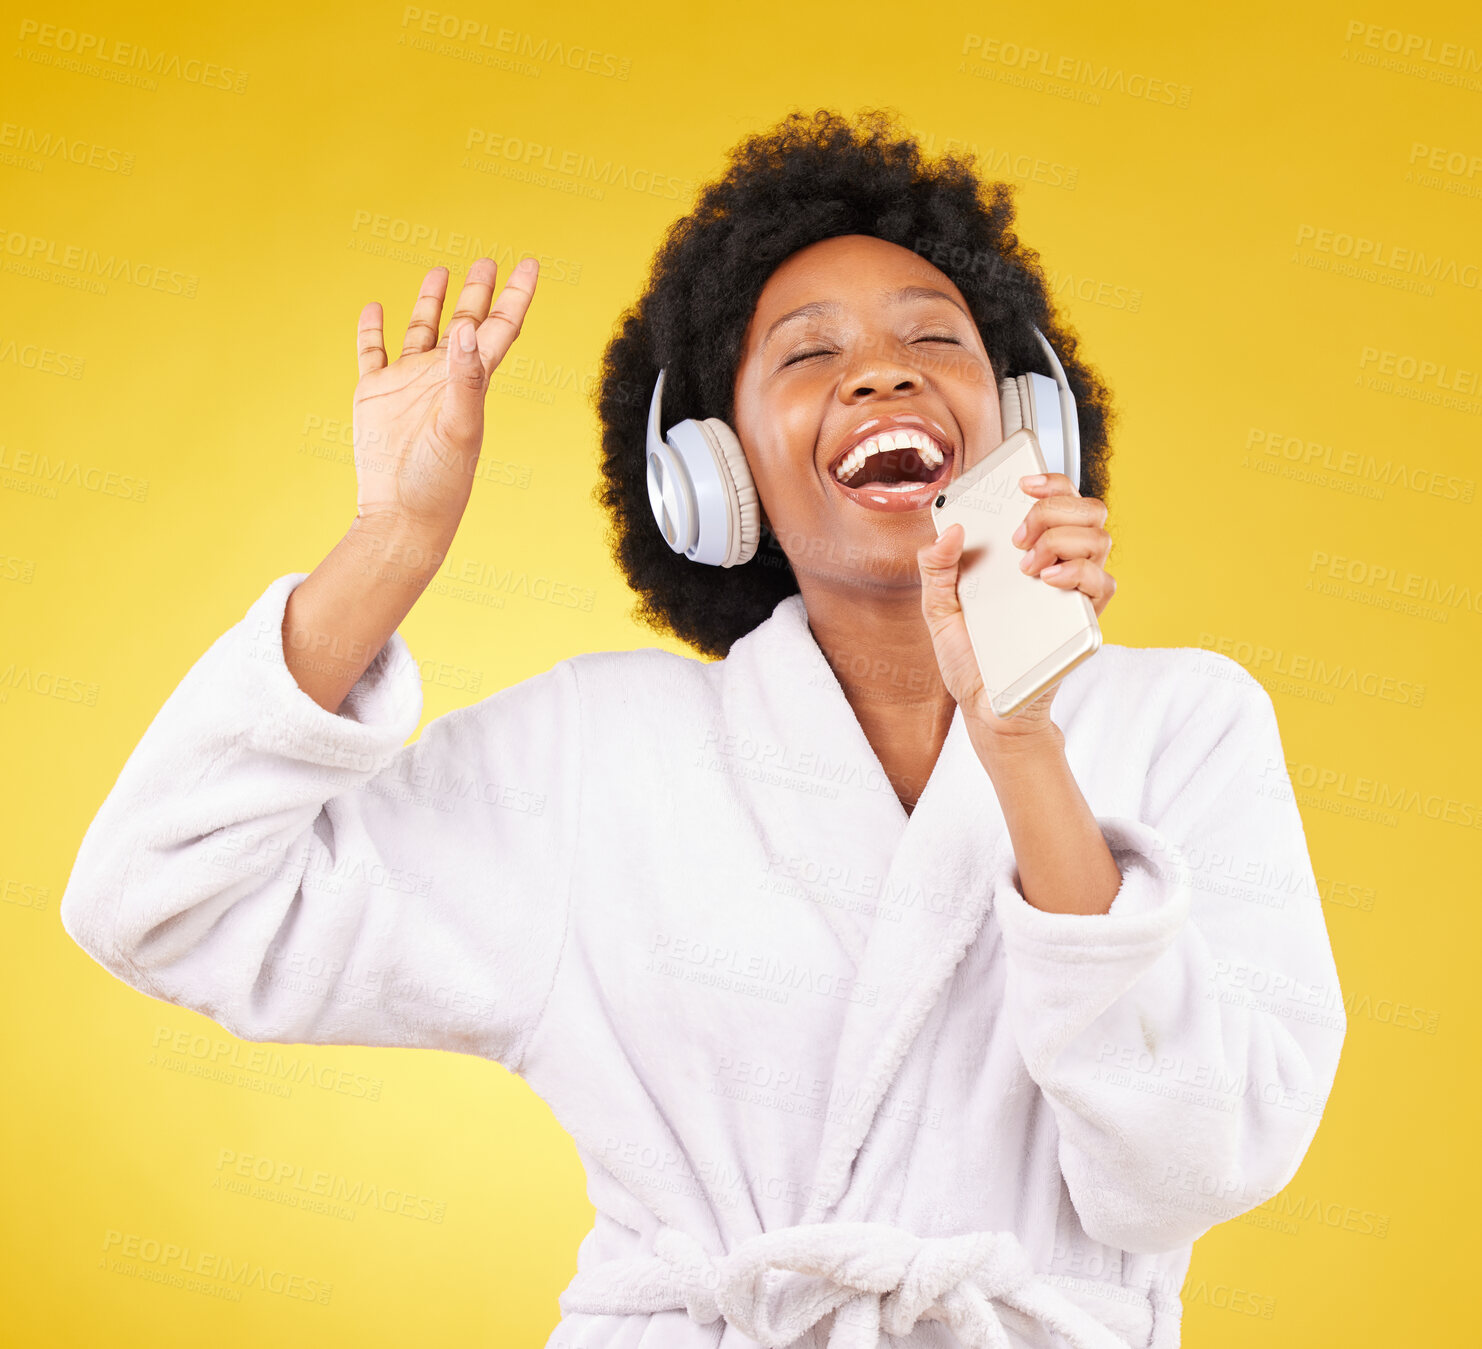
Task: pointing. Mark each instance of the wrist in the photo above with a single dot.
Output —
(391, 548)
(1017, 750)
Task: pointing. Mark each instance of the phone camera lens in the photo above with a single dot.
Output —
(941, 501)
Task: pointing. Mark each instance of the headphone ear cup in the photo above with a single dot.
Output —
(1010, 406)
(740, 491)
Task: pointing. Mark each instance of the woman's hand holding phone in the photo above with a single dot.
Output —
(1065, 544)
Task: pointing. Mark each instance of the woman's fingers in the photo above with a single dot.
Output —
(1061, 526)
(1062, 542)
(1060, 509)
(1083, 574)
(939, 563)
(473, 299)
(1053, 484)
(370, 340)
(1065, 541)
(499, 330)
(462, 415)
(423, 325)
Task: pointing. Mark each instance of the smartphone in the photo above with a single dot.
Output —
(1026, 633)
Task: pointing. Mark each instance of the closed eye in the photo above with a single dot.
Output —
(808, 355)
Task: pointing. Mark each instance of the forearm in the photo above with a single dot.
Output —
(1063, 861)
(337, 621)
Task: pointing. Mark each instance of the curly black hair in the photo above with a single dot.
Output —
(811, 177)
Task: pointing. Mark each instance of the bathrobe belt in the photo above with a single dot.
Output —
(878, 1278)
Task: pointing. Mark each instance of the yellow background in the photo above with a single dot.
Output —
(209, 412)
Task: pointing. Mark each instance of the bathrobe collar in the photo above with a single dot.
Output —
(936, 863)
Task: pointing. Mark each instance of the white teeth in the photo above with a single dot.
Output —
(923, 444)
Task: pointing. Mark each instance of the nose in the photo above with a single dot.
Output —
(877, 373)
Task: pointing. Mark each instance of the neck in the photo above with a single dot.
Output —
(881, 652)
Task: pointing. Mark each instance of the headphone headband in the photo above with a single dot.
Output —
(1070, 424)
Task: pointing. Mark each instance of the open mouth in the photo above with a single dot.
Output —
(898, 464)
(895, 458)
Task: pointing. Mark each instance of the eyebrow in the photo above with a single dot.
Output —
(905, 293)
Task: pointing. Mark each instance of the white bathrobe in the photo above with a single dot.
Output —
(833, 1080)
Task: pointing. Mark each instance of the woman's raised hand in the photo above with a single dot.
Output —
(419, 421)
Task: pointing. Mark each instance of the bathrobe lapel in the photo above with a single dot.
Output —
(938, 882)
(936, 864)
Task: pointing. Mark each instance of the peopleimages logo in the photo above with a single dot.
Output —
(532, 160)
(1422, 369)
(1265, 661)
(1455, 172)
(1413, 46)
(177, 1264)
(474, 37)
(1457, 163)
(1372, 469)
(1410, 261)
(1075, 71)
(1421, 379)
(97, 53)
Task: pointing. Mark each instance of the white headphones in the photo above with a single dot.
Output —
(704, 500)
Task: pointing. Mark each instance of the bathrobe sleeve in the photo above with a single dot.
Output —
(299, 876)
(1187, 1040)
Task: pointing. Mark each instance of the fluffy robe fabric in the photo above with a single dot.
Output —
(833, 1080)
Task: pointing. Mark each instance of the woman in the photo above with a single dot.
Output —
(875, 1018)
